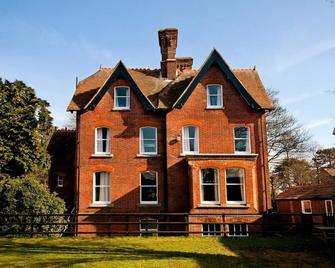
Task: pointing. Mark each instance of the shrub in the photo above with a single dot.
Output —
(28, 196)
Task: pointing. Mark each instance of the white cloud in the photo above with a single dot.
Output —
(319, 123)
(301, 97)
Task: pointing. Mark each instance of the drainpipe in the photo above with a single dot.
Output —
(165, 165)
(263, 160)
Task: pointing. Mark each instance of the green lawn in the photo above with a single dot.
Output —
(164, 252)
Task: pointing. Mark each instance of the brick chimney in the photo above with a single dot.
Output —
(168, 43)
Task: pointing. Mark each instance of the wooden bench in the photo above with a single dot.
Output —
(325, 233)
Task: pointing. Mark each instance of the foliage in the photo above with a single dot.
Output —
(323, 158)
(28, 196)
(291, 172)
(286, 137)
(287, 251)
(25, 129)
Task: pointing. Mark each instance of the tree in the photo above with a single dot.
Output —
(323, 158)
(286, 137)
(28, 196)
(25, 129)
(291, 172)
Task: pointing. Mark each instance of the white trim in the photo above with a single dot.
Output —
(196, 143)
(216, 232)
(248, 151)
(110, 194)
(141, 149)
(60, 185)
(147, 186)
(108, 152)
(332, 208)
(240, 224)
(303, 209)
(217, 184)
(244, 201)
(208, 97)
(127, 99)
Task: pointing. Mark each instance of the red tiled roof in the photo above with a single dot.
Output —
(312, 191)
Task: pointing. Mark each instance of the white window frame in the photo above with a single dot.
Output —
(331, 213)
(216, 184)
(207, 232)
(243, 202)
(248, 151)
(96, 141)
(196, 143)
(148, 231)
(142, 144)
(127, 98)
(110, 188)
(59, 179)
(219, 96)
(239, 224)
(147, 186)
(303, 209)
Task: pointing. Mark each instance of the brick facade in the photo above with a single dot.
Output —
(178, 174)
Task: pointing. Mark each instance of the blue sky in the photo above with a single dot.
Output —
(292, 43)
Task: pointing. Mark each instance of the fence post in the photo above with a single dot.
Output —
(127, 224)
(187, 225)
(32, 226)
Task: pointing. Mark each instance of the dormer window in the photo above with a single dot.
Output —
(121, 98)
(214, 96)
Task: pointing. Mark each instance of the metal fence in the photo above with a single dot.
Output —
(162, 224)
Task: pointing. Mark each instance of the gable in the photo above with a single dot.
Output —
(215, 58)
(120, 71)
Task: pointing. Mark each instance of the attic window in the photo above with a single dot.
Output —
(121, 98)
(214, 96)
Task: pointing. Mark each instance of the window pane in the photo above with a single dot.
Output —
(104, 132)
(213, 100)
(121, 102)
(149, 146)
(191, 145)
(209, 192)
(234, 193)
(97, 178)
(148, 133)
(234, 172)
(149, 194)
(241, 145)
(231, 229)
(243, 229)
(241, 132)
(208, 175)
(148, 178)
(122, 91)
(213, 90)
(191, 132)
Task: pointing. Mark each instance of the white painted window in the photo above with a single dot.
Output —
(238, 229)
(209, 186)
(149, 187)
(148, 140)
(242, 139)
(121, 98)
(214, 96)
(211, 229)
(190, 140)
(60, 181)
(329, 207)
(101, 188)
(148, 227)
(102, 140)
(235, 186)
(306, 206)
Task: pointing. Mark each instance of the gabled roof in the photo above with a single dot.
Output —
(215, 58)
(312, 191)
(157, 93)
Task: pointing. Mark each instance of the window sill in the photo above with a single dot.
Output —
(215, 108)
(94, 205)
(147, 155)
(187, 154)
(102, 155)
(236, 206)
(149, 205)
(121, 109)
(209, 206)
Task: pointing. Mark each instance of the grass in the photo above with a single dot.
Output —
(164, 252)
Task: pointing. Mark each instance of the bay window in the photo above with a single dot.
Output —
(209, 186)
(235, 186)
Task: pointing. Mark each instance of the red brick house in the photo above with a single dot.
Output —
(311, 201)
(173, 139)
